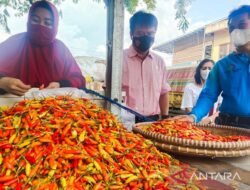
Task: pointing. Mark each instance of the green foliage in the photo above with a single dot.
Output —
(22, 7)
(181, 11)
(131, 5)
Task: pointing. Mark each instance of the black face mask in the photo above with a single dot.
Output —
(143, 43)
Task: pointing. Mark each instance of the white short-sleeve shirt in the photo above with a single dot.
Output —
(190, 96)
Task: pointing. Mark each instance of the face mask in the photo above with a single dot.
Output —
(204, 74)
(240, 37)
(143, 43)
(40, 35)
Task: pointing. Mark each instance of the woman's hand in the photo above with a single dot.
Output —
(53, 85)
(14, 86)
(185, 118)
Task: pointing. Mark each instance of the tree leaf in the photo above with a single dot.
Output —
(5, 11)
(181, 11)
(20, 7)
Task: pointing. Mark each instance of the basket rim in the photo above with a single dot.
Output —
(196, 143)
(193, 151)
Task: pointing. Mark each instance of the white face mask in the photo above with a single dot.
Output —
(240, 37)
(204, 74)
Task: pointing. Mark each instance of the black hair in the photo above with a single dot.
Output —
(197, 75)
(241, 10)
(142, 18)
(43, 4)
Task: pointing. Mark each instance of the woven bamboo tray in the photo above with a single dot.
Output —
(199, 152)
(201, 148)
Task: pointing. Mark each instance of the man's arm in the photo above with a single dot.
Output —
(165, 88)
(164, 104)
(208, 95)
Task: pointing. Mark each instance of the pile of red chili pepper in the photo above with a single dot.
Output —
(188, 130)
(66, 143)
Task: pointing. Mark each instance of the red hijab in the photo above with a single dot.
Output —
(36, 57)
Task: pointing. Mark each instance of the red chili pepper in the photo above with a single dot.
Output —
(30, 158)
(18, 186)
(1, 187)
(65, 130)
(58, 114)
(166, 161)
(10, 182)
(35, 123)
(103, 139)
(9, 165)
(22, 176)
(89, 141)
(6, 178)
(71, 151)
(90, 152)
(87, 127)
(49, 148)
(52, 121)
(75, 163)
(69, 142)
(55, 136)
(5, 145)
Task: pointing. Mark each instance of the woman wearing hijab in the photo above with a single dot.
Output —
(36, 58)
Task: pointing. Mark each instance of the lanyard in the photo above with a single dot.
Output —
(142, 117)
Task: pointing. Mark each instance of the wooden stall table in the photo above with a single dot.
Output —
(223, 173)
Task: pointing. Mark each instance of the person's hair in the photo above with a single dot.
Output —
(44, 5)
(142, 18)
(241, 10)
(197, 75)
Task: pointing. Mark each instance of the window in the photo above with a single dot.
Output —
(224, 50)
(208, 52)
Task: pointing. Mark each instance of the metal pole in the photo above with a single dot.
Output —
(110, 27)
(115, 30)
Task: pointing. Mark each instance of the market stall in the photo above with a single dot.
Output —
(60, 140)
(178, 78)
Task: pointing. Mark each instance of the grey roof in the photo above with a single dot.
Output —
(184, 41)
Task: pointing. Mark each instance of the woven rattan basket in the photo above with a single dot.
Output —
(201, 148)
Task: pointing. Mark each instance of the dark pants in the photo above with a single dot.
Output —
(151, 117)
(236, 121)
